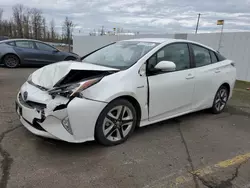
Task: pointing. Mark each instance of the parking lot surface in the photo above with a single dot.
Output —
(196, 150)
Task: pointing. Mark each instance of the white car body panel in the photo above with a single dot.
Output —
(164, 91)
(49, 75)
(207, 81)
(160, 97)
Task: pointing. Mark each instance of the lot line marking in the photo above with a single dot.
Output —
(173, 180)
(211, 169)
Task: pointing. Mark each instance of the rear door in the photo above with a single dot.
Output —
(27, 51)
(209, 76)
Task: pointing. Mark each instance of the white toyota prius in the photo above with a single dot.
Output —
(121, 86)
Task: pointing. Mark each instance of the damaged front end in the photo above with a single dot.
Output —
(43, 107)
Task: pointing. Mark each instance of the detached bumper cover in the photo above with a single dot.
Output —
(82, 113)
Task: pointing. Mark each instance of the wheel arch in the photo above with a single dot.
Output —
(69, 58)
(136, 104)
(227, 86)
(2, 58)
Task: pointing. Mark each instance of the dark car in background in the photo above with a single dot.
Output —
(3, 38)
(16, 52)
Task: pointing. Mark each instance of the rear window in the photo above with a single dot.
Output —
(220, 57)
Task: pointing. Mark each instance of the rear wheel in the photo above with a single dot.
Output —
(11, 61)
(116, 123)
(220, 100)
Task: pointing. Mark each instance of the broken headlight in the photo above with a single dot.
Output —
(73, 90)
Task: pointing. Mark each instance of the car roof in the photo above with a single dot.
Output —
(168, 40)
(157, 40)
(19, 39)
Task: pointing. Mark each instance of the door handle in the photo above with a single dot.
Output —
(217, 71)
(189, 76)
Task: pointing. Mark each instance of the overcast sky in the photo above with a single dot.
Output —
(145, 16)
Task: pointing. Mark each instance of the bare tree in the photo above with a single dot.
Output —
(44, 28)
(26, 23)
(1, 14)
(18, 18)
(67, 29)
(30, 23)
(1, 25)
(52, 30)
(36, 20)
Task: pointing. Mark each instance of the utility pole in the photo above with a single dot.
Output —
(102, 31)
(197, 23)
(220, 22)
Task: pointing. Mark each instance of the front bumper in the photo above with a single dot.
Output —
(45, 122)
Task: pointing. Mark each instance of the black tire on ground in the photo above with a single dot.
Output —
(220, 100)
(117, 125)
(11, 61)
(70, 58)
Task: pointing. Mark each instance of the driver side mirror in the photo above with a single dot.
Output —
(55, 51)
(166, 66)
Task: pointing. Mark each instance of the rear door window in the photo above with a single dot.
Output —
(213, 57)
(25, 44)
(201, 56)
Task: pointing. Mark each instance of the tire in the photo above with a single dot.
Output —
(220, 100)
(112, 128)
(70, 58)
(11, 61)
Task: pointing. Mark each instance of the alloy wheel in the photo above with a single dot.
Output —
(11, 61)
(117, 123)
(221, 99)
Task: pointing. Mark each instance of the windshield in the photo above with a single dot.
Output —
(120, 55)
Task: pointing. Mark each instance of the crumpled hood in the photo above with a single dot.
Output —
(50, 75)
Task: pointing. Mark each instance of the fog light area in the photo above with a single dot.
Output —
(66, 125)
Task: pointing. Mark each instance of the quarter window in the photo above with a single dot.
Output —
(220, 57)
(11, 43)
(177, 53)
(44, 47)
(213, 57)
(25, 44)
(201, 56)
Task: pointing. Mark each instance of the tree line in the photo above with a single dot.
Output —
(31, 24)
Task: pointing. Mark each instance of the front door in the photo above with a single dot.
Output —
(170, 93)
(48, 54)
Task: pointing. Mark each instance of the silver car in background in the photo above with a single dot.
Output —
(16, 52)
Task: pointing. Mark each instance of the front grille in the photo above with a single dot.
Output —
(31, 104)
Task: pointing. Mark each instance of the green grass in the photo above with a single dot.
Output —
(242, 84)
(240, 93)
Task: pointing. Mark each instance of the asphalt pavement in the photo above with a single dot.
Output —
(196, 150)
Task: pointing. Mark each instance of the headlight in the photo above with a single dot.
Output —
(73, 90)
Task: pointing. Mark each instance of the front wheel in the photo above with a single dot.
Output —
(220, 100)
(116, 123)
